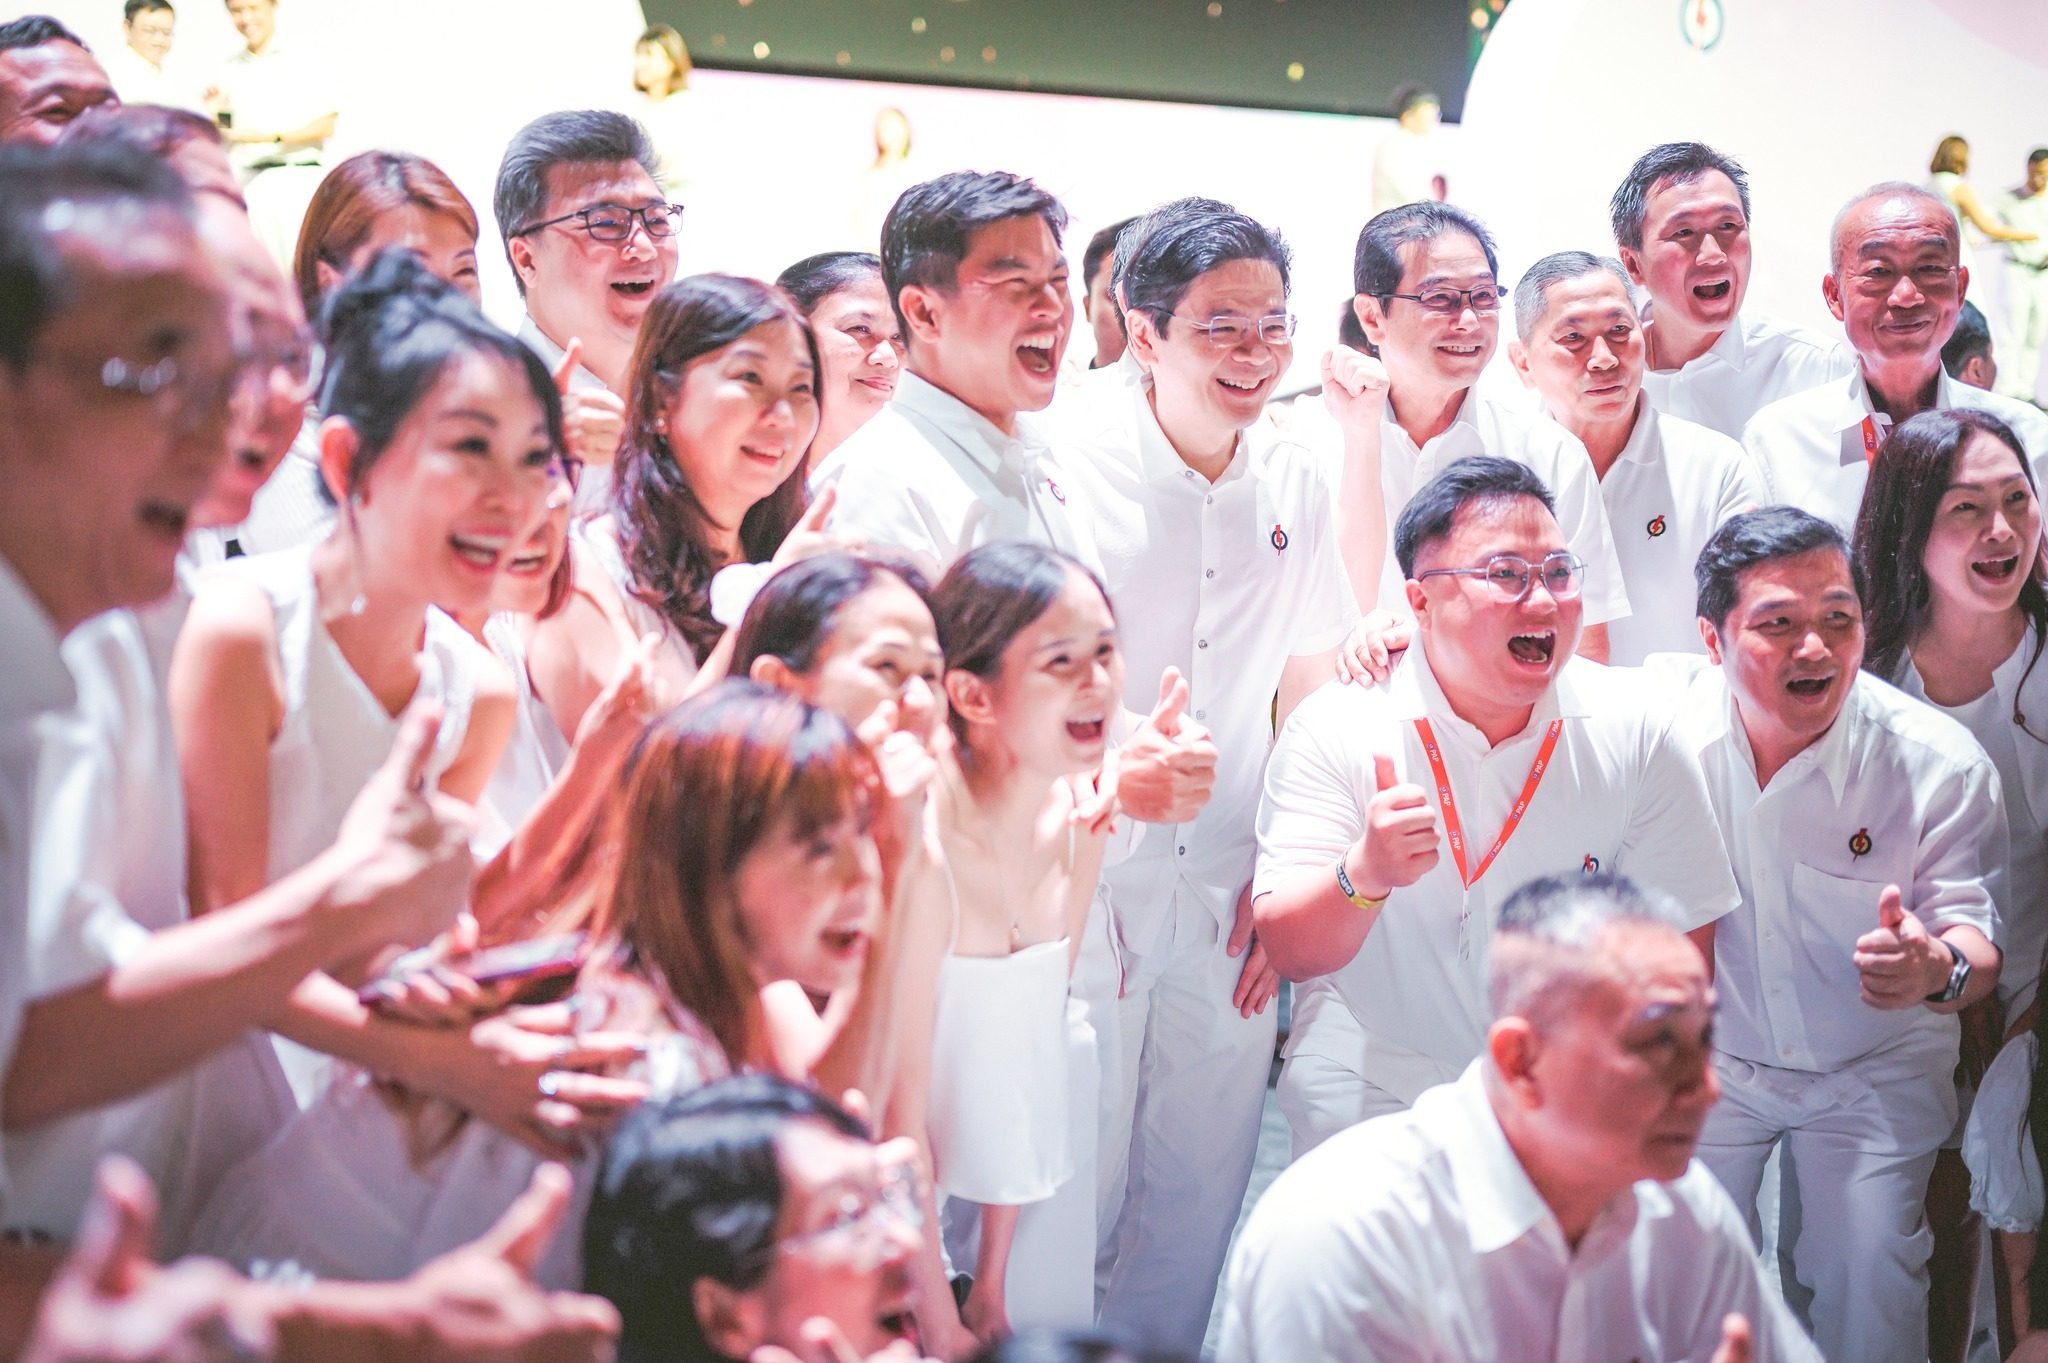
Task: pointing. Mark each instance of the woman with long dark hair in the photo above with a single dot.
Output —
(1949, 562)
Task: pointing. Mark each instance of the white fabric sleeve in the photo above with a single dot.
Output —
(1583, 518)
(2005, 1174)
(1963, 831)
(1311, 809)
(77, 927)
(1673, 841)
(878, 508)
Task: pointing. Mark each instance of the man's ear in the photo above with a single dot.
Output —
(1372, 316)
(520, 252)
(1513, 1046)
(1633, 263)
(1518, 358)
(923, 312)
(728, 1318)
(1831, 291)
(1711, 637)
(1143, 332)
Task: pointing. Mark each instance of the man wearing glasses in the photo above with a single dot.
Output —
(591, 239)
(1215, 531)
(1895, 286)
(1398, 818)
(1429, 297)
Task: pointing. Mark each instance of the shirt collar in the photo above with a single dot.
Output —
(981, 439)
(1730, 347)
(552, 355)
(1467, 416)
(37, 679)
(1415, 693)
(1498, 1202)
(1159, 462)
(1644, 444)
(1833, 752)
(1855, 403)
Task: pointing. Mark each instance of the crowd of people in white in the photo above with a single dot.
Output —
(765, 821)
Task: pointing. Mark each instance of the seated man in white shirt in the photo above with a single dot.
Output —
(141, 68)
(1895, 285)
(1218, 530)
(1428, 296)
(1491, 722)
(1681, 223)
(1862, 826)
(591, 239)
(973, 266)
(1666, 483)
(1546, 1205)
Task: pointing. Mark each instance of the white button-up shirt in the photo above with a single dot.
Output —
(1225, 581)
(1418, 1238)
(1621, 794)
(1811, 447)
(37, 687)
(1672, 487)
(1895, 793)
(1483, 426)
(931, 477)
(1755, 362)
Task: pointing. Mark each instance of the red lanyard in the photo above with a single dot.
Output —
(1449, 803)
(1870, 440)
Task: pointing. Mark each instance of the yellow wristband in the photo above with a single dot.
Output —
(1352, 893)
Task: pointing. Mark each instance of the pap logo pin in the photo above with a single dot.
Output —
(1656, 526)
(1591, 865)
(1057, 494)
(1279, 538)
(1859, 844)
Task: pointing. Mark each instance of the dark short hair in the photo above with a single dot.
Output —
(153, 129)
(37, 281)
(1351, 331)
(1133, 236)
(793, 615)
(1376, 264)
(1972, 337)
(1672, 162)
(34, 30)
(1101, 250)
(691, 1187)
(391, 330)
(927, 232)
(816, 278)
(1755, 537)
(1408, 94)
(989, 596)
(2037, 154)
(1188, 243)
(1432, 512)
(135, 7)
(567, 137)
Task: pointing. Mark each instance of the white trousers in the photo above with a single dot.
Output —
(1864, 1140)
(1322, 1088)
(1184, 1082)
(2026, 331)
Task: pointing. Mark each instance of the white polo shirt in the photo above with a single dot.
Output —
(279, 91)
(1757, 361)
(1483, 426)
(1620, 794)
(1417, 1237)
(1225, 581)
(1895, 793)
(38, 687)
(1811, 447)
(932, 478)
(1673, 486)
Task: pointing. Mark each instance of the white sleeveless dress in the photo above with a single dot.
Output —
(336, 733)
(600, 546)
(535, 753)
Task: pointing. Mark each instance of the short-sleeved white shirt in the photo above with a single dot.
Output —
(1998, 1146)
(931, 477)
(1483, 426)
(279, 91)
(1895, 793)
(1418, 1237)
(38, 689)
(1755, 362)
(1621, 794)
(1810, 447)
(1224, 581)
(1673, 486)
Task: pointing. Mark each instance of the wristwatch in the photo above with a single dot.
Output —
(1352, 892)
(1958, 976)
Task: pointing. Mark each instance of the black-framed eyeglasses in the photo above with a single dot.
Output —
(1451, 302)
(614, 222)
(1228, 333)
(1511, 575)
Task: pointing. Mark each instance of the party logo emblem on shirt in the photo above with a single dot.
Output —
(1859, 842)
(1279, 538)
(1591, 865)
(1057, 495)
(1656, 526)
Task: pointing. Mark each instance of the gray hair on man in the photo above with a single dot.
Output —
(1532, 291)
(1547, 938)
(1894, 189)
(568, 137)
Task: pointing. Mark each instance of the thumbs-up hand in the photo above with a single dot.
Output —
(1899, 963)
(1165, 772)
(1399, 845)
(593, 419)
(1736, 1345)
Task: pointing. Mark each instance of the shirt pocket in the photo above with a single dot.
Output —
(1831, 912)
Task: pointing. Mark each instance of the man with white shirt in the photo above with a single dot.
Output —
(1861, 826)
(1428, 295)
(1894, 284)
(1215, 531)
(138, 67)
(1681, 223)
(1392, 826)
(1546, 1205)
(1666, 483)
(2026, 281)
(591, 239)
(973, 266)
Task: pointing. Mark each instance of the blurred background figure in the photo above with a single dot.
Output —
(666, 107)
(141, 69)
(1408, 166)
(277, 111)
(2026, 282)
(1967, 356)
(1945, 176)
(1097, 307)
(887, 176)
